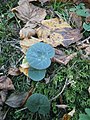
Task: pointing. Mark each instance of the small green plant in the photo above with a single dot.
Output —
(38, 103)
(85, 116)
(80, 10)
(39, 58)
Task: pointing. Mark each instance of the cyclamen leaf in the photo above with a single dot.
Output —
(86, 26)
(39, 54)
(36, 74)
(38, 103)
(87, 110)
(84, 117)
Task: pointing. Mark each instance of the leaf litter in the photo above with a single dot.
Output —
(54, 31)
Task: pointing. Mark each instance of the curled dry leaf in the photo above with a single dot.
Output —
(14, 71)
(71, 113)
(28, 12)
(24, 70)
(55, 32)
(61, 57)
(6, 83)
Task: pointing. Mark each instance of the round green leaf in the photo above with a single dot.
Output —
(86, 26)
(83, 117)
(36, 74)
(39, 54)
(87, 110)
(38, 103)
(82, 12)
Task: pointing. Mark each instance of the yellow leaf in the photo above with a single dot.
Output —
(24, 70)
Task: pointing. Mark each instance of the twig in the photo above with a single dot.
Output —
(61, 90)
(21, 110)
(85, 40)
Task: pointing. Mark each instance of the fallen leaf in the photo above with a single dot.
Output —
(16, 99)
(61, 57)
(27, 31)
(55, 32)
(25, 63)
(24, 70)
(66, 117)
(62, 106)
(6, 83)
(3, 95)
(71, 113)
(28, 12)
(42, 1)
(1, 114)
(87, 50)
(76, 20)
(26, 43)
(14, 71)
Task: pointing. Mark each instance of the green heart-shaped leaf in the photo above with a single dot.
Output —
(86, 26)
(36, 74)
(38, 103)
(39, 54)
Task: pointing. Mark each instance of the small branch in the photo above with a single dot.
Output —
(66, 82)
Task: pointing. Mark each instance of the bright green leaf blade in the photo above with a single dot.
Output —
(87, 110)
(84, 117)
(38, 103)
(39, 54)
(86, 26)
(36, 74)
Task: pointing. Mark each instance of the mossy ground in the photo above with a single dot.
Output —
(77, 71)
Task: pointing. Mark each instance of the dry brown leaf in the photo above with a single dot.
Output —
(26, 43)
(27, 31)
(55, 32)
(61, 58)
(22, 1)
(28, 12)
(71, 113)
(3, 95)
(66, 117)
(14, 71)
(6, 83)
(76, 20)
(24, 70)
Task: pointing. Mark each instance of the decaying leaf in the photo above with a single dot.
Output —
(28, 12)
(76, 20)
(66, 117)
(24, 70)
(61, 57)
(6, 83)
(3, 95)
(62, 106)
(71, 113)
(16, 99)
(55, 32)
(26, 43)
(1, 114)
(14, 71)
